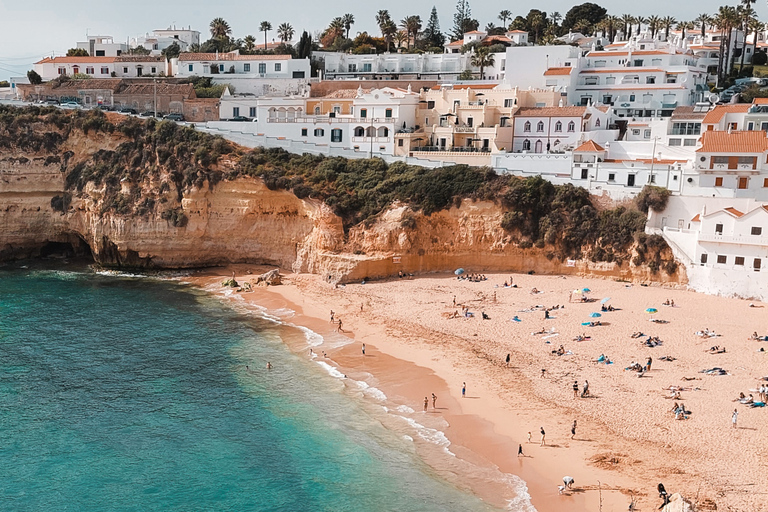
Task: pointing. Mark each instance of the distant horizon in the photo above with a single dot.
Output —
(48, 27)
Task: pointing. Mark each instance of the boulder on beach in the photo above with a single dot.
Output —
(270, 278)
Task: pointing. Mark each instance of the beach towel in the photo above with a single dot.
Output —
(757, 404)
(551, 336)
(515, 319)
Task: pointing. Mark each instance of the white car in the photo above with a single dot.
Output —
(70, 105)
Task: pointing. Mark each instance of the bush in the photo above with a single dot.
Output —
(652, 197)
(760, 58)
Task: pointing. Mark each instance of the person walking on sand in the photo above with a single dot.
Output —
(363, 348)
(454, 301)
(573, 429)
(575, 389)
(543, 437)
(529, 437)
(585, 391)
(332, 314)
(426, 403)
(735, 417)
(339, 329)
(508, 356)
(520, 450)
(434, 401)
(463, 389)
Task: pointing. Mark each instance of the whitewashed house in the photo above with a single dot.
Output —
(557, 129)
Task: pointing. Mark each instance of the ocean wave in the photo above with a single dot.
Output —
(404, 409)
(119, 273)
(332, 370)
(522, 500)
(431, 435)
(313, 338)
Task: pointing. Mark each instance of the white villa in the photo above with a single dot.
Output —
(102, 46)
(160, 39)
(125, 66)
(558, 129)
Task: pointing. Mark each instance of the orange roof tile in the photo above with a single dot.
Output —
(76, 60)
(697, 218)
(760, 101)
(551, 112)
(468, 86)
(517, 32)
(717, 113)
(590, 146)
(733, 142)
(558, 71)
(460, 42)
(733, 211)
(474, 32)
(212, 57)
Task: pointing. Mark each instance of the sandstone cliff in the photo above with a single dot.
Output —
(199, 224)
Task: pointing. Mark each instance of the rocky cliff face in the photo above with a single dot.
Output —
(243, 221)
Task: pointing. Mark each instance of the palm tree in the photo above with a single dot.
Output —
(483, 58)
(536, 22)
(628, 20)
(382, 17)
(755, 26)
(220, 28)
(748, 13)
(583, 26)
(388, 31)
(667, 22)
(265, 27)
(640, 21)
(349, 20)
(703, 20)
(411, 25)
(555, 17)
(504, 16)
(683, 26)
(250, 43)
(285, 32)
(400, 38)
(727, 18)
(654, 22)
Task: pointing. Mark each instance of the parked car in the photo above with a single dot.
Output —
(242, 119)
(127, 111)
(174, 117)
(51, 102)
(152, 113)
(106, 108)
(70, 105)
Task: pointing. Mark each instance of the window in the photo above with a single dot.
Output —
(509, 102)
(558, 126)
(703, 258)
(590, 80)
(611, 176)
(367, 67)
(650, 79)
(686, 128)
(336, 135)
(62, 71)
(352, 68)
(363, 113)
(526, 145)
(675, 142)
(317, 110)
(221, 68)
(540, 126)
(584, 174)
(278, 66)
(647, 134)
(722, 259)
(303, 132)
(89, 71)
(597, 123)
(689, 142)
(720, 160)
(102, 53)
(153, 70)
(652, 178)
(757, 230)
(431, 104)
(635, 131)
(765, 182)
(319, 132)
(718, 229)
(388, 113)
(125, 70)
(719, 182)
(756, 264)
(337, 109)
(246, 68)
(104, 70)
(739, 260)
(746, 160)
(527, 126)
(191, 68)
(571, 126)
(235, 111)
(252, 112)
(262, 68)
(400, 142)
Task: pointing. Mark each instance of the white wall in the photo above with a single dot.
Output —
(526, 64)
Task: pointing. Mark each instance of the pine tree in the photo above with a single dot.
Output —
(432, 35)
(305, 46)
(462, 18)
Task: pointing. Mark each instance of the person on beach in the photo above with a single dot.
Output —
(585, 392)
(520, 450)
(734, 417)
(363, 348)
(543, 437)
(339, 329)
(529, 437)
(426, 403)
(463, 389)
(269, 365)
(573, 429)
(508, 360)
(568, 482)
(434, 400)
(575, 389)
(332, 314)
(454, 301)
(648, 364)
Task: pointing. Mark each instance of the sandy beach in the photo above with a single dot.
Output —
(627, 437)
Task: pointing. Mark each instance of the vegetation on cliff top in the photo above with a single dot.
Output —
(155, 159)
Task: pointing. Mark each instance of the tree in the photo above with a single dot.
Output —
(586, 11)
(139, 50)
(220, 28)
(34, 78)
(519, 23)
(628, 20)
(640, 20)
(536, 21)
(412, 26)
(265, 27)
(304, 50)
(755, 26)
(748, 12)
(77, 52)
(382, 17)
(667, 22)
(504, 16)
(432, 35)
(466, 75)
(171, 52)
(583, 26)
(555, 18)
(400, 38)
(483, 58)
(389, 30)
(249, 44)
(285, 32)
(462, 19)
(703, 20)
(685, 26)
(348, 20)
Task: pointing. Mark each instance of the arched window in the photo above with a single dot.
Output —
(540, 126)
(370, 131)
(291, 113)
(527, 126)
(281, 112)
(597, 123)
(526, 145)
(272, 113)
(359, 131)
(383, 132)
(558, 126)
(571, 126)
(557, 143)
(319, 132)
(317, 110)
(538, 146)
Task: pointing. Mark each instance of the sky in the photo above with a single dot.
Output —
(34, 29)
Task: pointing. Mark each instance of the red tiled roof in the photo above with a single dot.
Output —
(589, 147)
(460, 42)
(77, 60)
(212, 57)
(733, 142)
(733, 211)
(551, 112)
(717, 113)
(474, 32)
(517, 32)
(760, 101)
(558, 71)
(623, 70)
(697, 218)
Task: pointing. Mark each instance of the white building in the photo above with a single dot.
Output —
(102, 46)
(557, 129)
(126, 66)
(160, 39)
(427, 66)
(530, 66)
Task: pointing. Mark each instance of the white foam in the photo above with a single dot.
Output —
(430, 435)
(408, 438)
(117, 273)
(332, 371)
(376, 393)
(522, 500)
(313, 339)
(404, 409)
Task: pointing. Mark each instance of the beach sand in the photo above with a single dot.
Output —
(627, 439)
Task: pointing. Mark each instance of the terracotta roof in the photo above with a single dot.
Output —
(697, 218)
(468, 86)
(687, 112)
(589, 147)
(345, 94)
(76, 60)
(760, 101)
(733, 142)
(551, 112)
(558, 71)
(517, 32)
(459, 42)
(717, 113)
(733, 211)
(87, 84)
(212, 57)
(474, 32)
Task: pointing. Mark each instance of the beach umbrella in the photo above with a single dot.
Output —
(651, 310)
(605, 300)
(595, 315)
(459, 271)
(586, 290)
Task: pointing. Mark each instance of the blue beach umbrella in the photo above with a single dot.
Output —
(586, 290)
(595, 315)
(651, 310)
(458, 271)
(605, 300)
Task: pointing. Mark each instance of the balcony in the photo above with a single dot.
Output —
(455, 149)
(464, 129)
(730, 239)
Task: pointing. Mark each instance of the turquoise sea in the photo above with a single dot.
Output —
(128, 393)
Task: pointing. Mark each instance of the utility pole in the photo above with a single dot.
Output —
(653, 155)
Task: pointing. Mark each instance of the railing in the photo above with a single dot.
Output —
(370, 139)
(460, 149)
(325, 119)
(744, 239)
(463, 129)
